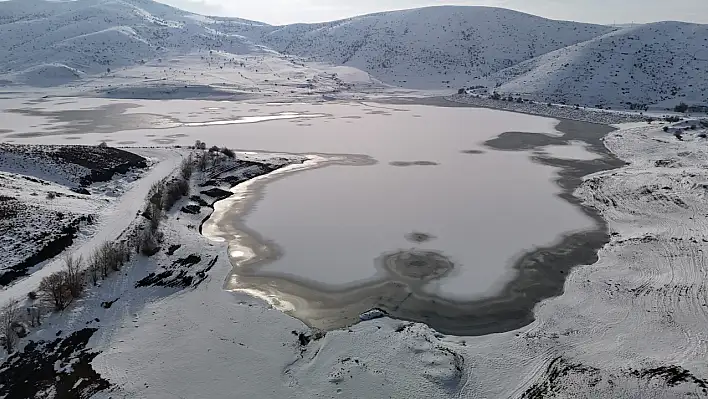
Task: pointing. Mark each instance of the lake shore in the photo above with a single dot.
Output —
(538, 274)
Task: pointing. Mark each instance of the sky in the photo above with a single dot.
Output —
(279, 12)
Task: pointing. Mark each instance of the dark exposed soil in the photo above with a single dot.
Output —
(555, 372)
(191, 209)
(180, 274)
(33, 372)
(198, 200)
(103, 162)
(563, 378)
(672, 376)
(167, 278)
(189, 261)
(172, 249)
(108, 304)
(64, 239)
(217, 193)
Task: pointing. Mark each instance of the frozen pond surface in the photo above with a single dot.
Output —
(483, 210)
(336, 228)
(574, 150)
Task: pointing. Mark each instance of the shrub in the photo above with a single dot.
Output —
(55, 291)
(103, 144)
(32, 295)
(51, 195)
(147, 243)
(186, 168)
(175, 190)
(9, 318)
(683, 107)
(666, 128)
(202, 162)
(693, 127)
(154, 213)
(107, 258)
(94, 268)
(214, 149)
(228, 152)
(74, 275)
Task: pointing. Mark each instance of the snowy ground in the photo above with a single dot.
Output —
(630, 326)
(633, 325)
(113, 209)
(553, 110)
(52, 196)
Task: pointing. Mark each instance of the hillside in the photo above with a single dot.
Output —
(52, 43)
(662, 63)
(432, 47)
(47, 43)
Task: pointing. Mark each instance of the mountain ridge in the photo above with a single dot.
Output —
(440, 47)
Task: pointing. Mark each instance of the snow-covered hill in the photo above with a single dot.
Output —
(663, 63)
(47, 42)
(430, 47)
(50, 43)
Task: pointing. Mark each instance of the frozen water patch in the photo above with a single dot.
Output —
(255, 119)
(574, 150)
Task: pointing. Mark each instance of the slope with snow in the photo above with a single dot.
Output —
(661, 63)
(44, 201)
(86, 42)
(429, 47)
(93, 36)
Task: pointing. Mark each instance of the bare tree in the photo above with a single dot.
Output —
(155, 212)
(187, 167)
(104, 256)
(203, 162)
(148, 242)
(94, 268)
(9, 318)
(74, 275)
(54, 290)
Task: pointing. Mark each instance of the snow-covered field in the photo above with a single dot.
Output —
(52, 195)
(631, 325)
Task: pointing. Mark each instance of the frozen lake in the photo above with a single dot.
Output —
(456, 214)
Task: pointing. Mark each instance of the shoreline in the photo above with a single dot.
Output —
(539, 274)
(445, 101)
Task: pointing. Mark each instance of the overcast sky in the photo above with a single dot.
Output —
(597, 11)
